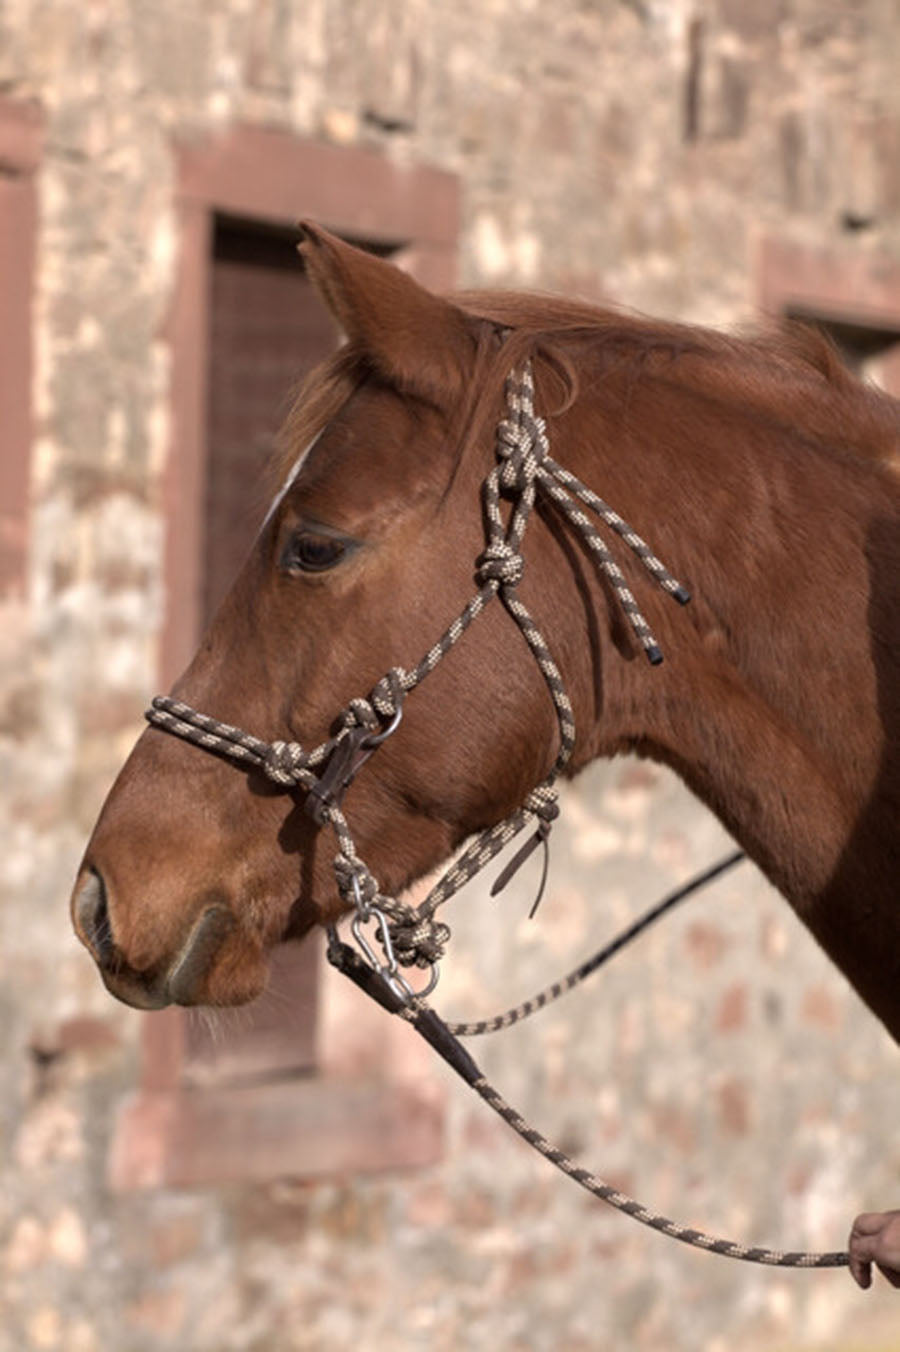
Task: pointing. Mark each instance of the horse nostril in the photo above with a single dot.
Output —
(92, 917)
(203, 945)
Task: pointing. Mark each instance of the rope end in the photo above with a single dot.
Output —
(654, 655)
(521, 855)
(682, 595)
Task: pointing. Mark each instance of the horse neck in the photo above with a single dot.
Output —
(777, 706)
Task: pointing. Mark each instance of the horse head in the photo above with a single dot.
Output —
(196, 867)
(724, 450)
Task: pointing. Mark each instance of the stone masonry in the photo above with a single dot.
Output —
(638, 150)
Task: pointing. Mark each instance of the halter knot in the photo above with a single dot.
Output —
(355, 883)
(285, 763)
(387, 695)
(418, 940)
(543, 803)
(500, 563)
(520, 448)
(384, 700)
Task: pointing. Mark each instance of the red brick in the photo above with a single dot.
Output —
(638, 777)
(158, 1312)
(175, 1238)
(675, 1126)
(731, 1014)
(429, 1207)
(820, 1008)
(310, 1127)
(705, 943)
(734, 1107)
(84, 1033)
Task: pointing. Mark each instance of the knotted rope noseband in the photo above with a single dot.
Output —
(412, 936)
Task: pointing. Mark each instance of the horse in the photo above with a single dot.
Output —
(759, 468)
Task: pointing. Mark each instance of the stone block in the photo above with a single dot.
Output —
(310, 1127)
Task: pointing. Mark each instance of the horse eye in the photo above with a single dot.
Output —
(310, 553)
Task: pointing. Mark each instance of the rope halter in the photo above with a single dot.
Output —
(524, 469)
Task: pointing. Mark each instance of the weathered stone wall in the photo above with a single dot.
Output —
(638, 150)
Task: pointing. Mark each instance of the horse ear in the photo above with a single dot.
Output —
(420, 342)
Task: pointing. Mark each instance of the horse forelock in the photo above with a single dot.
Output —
(316, 400)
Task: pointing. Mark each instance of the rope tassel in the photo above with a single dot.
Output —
(523, 451)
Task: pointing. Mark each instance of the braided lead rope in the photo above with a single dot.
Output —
(598, 1187)
(290, 766)
(432, 1029)
(599, 959)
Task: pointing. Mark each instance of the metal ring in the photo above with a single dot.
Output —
(432, 981)
(402, 988)
(389, 970)
(376, 738)
(363, 910)
(356, 927)
(388, 967)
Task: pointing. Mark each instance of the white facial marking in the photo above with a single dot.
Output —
(289, 481)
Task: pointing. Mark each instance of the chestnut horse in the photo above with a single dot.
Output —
(760, 470)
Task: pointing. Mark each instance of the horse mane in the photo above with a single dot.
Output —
(787, 375)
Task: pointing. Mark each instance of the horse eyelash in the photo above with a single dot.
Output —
(292, 562)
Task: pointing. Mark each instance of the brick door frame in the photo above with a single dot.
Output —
(850, 283)
(21, 147)
(374, 1105)
(270, 176)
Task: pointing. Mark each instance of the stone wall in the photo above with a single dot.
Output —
(640, 150)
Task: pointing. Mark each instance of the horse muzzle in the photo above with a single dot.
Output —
(182, 980)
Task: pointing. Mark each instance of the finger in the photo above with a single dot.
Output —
(892, 1274)
(861, 1271)
(869, 1223)
(860, 1254)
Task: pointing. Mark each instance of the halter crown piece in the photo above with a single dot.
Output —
(412, 936)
